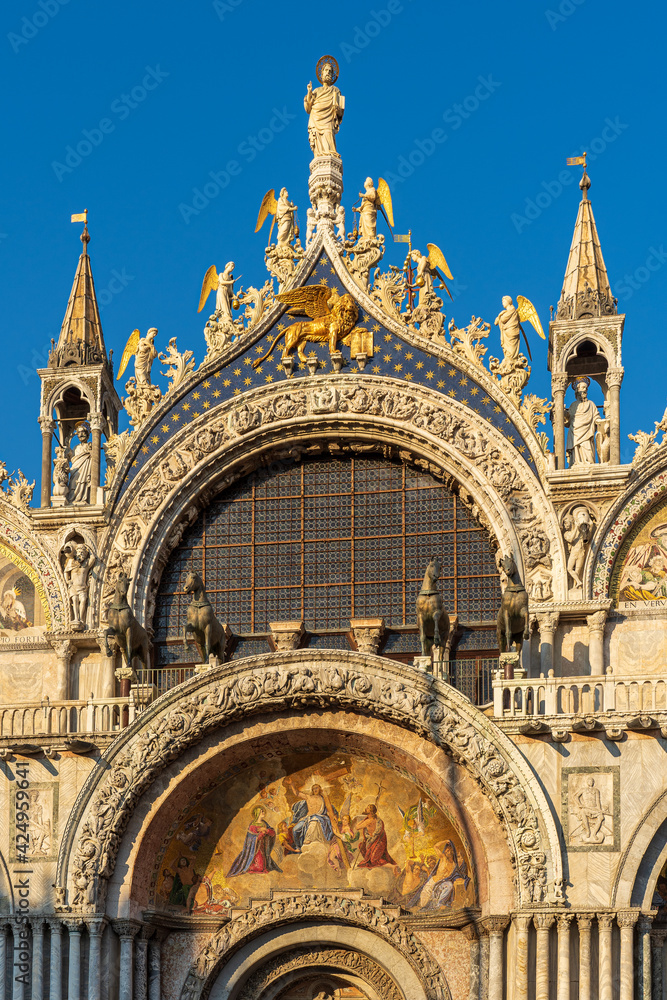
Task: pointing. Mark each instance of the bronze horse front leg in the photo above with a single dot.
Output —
(111, 631)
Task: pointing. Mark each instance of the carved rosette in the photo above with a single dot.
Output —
(334, 679)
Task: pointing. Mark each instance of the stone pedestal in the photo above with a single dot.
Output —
(510, 664)
(325, 186)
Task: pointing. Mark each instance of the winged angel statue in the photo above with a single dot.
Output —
(372, 200)
(284, 214)
(142, 395)
(332, 321)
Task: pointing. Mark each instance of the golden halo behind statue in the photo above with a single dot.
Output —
(320, 65)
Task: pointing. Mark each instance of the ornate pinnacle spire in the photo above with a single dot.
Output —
(81, 341)
(586, 291)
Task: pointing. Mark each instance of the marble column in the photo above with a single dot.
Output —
(126, 931)
(471, 934)
(547, 624)
(3, 960)
(596, 623)
(74, 974)
(96, 421)
(605, 921)
(521, 922)
(584, 920)
(543, 923)
(95, 931)
(644, 928)
(559, 384)
(108, 678)
(657, 948)
(141, 963)
(495, 927)
(563, 981)
(626, 921)
(483, 962)
(20, 962)
(64, 649)
(47, 425)
(614, 379)
(37, 959)
(55, 978)
(155, 964)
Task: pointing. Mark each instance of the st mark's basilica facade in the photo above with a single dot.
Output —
(340, 674)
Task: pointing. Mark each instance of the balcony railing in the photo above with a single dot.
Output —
(65, 718)
(535, 696)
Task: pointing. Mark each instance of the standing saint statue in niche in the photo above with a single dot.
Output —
(581, 417)
(325, 106)
(80, 458)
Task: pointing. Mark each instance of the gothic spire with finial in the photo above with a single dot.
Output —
(586, 291)
(81, 341)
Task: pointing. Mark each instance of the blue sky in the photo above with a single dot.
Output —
(163, 95)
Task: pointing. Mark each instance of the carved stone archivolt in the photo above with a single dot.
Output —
(281, 420)
(341, 959)
(273, 682)
(321, 908)
(17, 543)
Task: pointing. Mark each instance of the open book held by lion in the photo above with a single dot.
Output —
(332, 322)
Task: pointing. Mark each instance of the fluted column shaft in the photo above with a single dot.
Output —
(584, 922)
(521, 923)
(55, 977)
(627, 921)
(543, 923)
(604, 956)
(37, 960)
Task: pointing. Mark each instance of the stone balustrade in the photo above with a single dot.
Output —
(587, 695)
(66, 718)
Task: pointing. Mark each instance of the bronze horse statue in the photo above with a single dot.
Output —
(131, 637)
(432, 618)
(208, 633)
(513, 621)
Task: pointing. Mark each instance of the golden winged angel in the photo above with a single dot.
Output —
(428, 268)
(223, 286)
(509, 321)
(143, 350)
(332, 320)
(372, 199)
(284, 214)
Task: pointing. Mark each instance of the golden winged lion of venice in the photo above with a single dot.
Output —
(333, 320)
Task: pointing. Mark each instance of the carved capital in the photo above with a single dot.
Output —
(522, 920)
(47, 425)
(548, 623)
(286, 635)
(96, 421)
(559, 382)
(367, 633)
(55, 925)
(126, 928)
(605, 921)
(123, 673)
(658, 936)
(543, 921)
(495, 924)
(627, 918)
(64, 649)
(74, 925)
(614, 377)
(563, 921)
(596, 622)
(645, 923)
(96, 925)
(470, 932)
(585, 921)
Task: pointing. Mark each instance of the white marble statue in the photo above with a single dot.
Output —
(285, 212)
(510, 329)
(80, 560)
(368, 210)
(225, 292)
(581, 418)
(145, 355)
(325, 107)
(311, 223)
(80, 460)
(340, 222)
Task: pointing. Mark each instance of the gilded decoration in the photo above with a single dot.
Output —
(313, 821)
(640, 572)
(333, 678)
